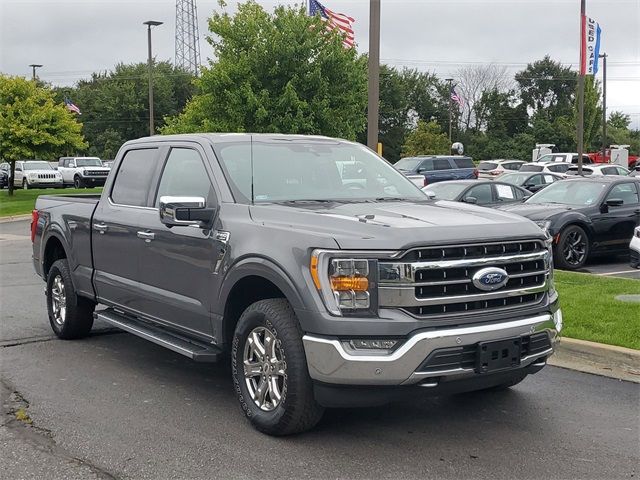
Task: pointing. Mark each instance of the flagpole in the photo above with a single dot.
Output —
(580, 128)
(374, 75)
(604, 105)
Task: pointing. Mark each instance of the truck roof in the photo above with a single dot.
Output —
(229, 137)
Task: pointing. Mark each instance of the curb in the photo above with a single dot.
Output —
(15, 218)
(597, 358)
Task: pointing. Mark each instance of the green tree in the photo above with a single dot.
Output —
(276, 72)
(33, 125)
(592, 112)
(618, 119)
(115, 106)
(426, 139)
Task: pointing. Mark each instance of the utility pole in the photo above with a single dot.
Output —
(583, 47)
(33, 70)
(374, 75)
(450, 82)
(149, 24)
(603, 56)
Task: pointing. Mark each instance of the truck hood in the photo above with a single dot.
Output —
(538, 211)
(39, 171)
(396, 225)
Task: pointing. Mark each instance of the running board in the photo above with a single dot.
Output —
(197, 351)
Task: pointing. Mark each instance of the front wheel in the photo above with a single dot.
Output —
(572, 249)
(78, 182)
(269, 370)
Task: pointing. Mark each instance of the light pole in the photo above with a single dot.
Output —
(580, 126)
(149, 24)
(603, 56)
(450, 81)
(33, 70)
(374, 74)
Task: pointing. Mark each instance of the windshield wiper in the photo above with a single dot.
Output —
(392, 199)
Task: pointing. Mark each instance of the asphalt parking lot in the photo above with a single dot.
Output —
(115, 406)
(612, 267)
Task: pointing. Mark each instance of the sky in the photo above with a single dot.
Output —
(73, 38)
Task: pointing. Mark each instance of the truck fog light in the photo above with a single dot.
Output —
(557, 319)
(377, 344)
(352, 300)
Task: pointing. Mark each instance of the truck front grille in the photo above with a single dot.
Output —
(438, 280)
(97, 173)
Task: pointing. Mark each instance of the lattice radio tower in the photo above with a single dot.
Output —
(187, 39)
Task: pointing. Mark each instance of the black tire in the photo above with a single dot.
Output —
(25, 184)
(78, 182)
(297, 409)
(77, 318)
(572, 250)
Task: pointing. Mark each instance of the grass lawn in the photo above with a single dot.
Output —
(23, 201)
(591, 312)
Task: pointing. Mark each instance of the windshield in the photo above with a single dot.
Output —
(36, 166)
(531, 168)
(286, 170)
(570, 192)
(88, 162)
(408, 163)
(487, 166)
(514, 178)
(444, 190)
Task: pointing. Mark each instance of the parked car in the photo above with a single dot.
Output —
(4, 179)
(635, 172)
(83, 172)
(253, 247)
(559, 168)
(493, 168)
(438, 168)
(598, 170)
(585, 216)
(486, 193)
(564, 157)
(33, 174)
(530, 181)
(634, 249)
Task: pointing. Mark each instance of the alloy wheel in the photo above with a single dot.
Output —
(58, 300)
(574, 248)
(265, 371)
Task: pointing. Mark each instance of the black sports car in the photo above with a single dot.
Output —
(488, 193)
(585, 216)
(532, 181)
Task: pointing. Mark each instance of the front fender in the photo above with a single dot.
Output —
(572, 218)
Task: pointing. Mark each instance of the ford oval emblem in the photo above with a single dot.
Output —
(490, 278)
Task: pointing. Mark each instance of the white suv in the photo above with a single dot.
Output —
(493, 168)
(559, 168)
(83, 172)
(34, 174)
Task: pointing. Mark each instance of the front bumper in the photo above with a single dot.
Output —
(634, 251)
(332, 361)
(96, 181)
(45, 183)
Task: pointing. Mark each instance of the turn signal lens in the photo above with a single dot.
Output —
(314, 271)
(357, 284)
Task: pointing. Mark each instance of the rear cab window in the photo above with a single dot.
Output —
(134, 176)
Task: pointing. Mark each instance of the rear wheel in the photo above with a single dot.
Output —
(572, 249)
(70, 316)
(270, 370)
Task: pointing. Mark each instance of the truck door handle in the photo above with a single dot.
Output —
(146, 236)
(100, 227)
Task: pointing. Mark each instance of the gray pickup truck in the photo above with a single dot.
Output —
(324, 292)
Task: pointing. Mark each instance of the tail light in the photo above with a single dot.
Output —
(495, 172)
(34, 223)
(424, 184)
(475, 173)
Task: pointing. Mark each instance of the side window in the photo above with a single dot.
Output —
(131, 186)
(535, 180)
(426, 165)
(609, 171)
(463, 163)
(441, 164)
(184, 175)
(482, 193)
(626, 192)
(554, 168)
(622, 171)
(519, 194)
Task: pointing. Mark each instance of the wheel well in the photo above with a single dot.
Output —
(245, 292)
(52, 252)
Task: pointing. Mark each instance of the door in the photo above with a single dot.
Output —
(177, 264)
(19, 174)
(65, 170)
(437, 169)
(116, 247)
(614, 225)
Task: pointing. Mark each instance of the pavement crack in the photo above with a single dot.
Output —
(16, 418)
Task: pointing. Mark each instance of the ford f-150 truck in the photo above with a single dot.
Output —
(323, 292)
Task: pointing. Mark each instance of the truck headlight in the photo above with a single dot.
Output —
(346, 283)
(544, 225)
(84, 173)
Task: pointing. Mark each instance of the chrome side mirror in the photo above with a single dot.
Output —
(185, 211)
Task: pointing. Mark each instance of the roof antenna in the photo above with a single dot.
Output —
(252, 193)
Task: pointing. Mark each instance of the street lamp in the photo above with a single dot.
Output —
(149, 24)
(33, 70)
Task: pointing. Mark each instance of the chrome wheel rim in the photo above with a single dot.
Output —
(58, 300)
(575, 248)
(265, 371)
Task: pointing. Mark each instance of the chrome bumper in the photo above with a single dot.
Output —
(333, 361)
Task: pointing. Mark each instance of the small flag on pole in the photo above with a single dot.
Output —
(335, 20)
(72, 107)
(455, 97)
(590, 46)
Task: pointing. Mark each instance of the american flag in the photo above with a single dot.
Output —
(72, 107)
(335, 20)
(455, 97)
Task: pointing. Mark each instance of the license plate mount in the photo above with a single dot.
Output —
(498, 355)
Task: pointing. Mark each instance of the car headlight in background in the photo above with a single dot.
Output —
(346, 282)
